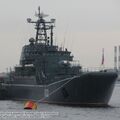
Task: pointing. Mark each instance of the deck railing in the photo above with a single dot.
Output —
(95, 69)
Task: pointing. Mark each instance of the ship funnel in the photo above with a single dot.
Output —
(115, 57)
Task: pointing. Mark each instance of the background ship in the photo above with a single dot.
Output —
(48, 73)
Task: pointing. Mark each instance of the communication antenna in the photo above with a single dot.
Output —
(115, 57)
(65, 37)
(119, 58)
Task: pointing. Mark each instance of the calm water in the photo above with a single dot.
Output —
(13, 110)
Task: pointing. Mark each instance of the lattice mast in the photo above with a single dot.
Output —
(42, 27)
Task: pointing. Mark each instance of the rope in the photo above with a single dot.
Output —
(56, 89)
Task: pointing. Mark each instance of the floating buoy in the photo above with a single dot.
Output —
(30, 105)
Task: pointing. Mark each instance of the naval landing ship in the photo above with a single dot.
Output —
(47, 73)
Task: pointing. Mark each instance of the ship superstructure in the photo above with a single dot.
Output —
(42, 58)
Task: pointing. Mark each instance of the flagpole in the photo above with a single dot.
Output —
(102, 62)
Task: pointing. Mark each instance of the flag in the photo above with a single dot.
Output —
(102, 63)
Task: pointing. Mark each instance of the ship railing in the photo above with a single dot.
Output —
(75, 63)
(95, 69)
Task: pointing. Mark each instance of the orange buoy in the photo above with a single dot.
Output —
(30, 105)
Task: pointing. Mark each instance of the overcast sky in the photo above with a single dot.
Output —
(86, 25)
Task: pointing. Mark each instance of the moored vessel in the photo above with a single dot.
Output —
(47, 73)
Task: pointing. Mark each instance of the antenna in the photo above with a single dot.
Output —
(39, 11)
(64, 43)
(40, 14)
(115, 57)
(65, 37)
(119, 58)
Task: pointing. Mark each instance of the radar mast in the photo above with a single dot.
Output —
(42, 27)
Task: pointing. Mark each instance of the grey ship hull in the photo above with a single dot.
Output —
(93, 88)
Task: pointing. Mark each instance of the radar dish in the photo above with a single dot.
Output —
(53, 20)
(43, 15)
(28, 20)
